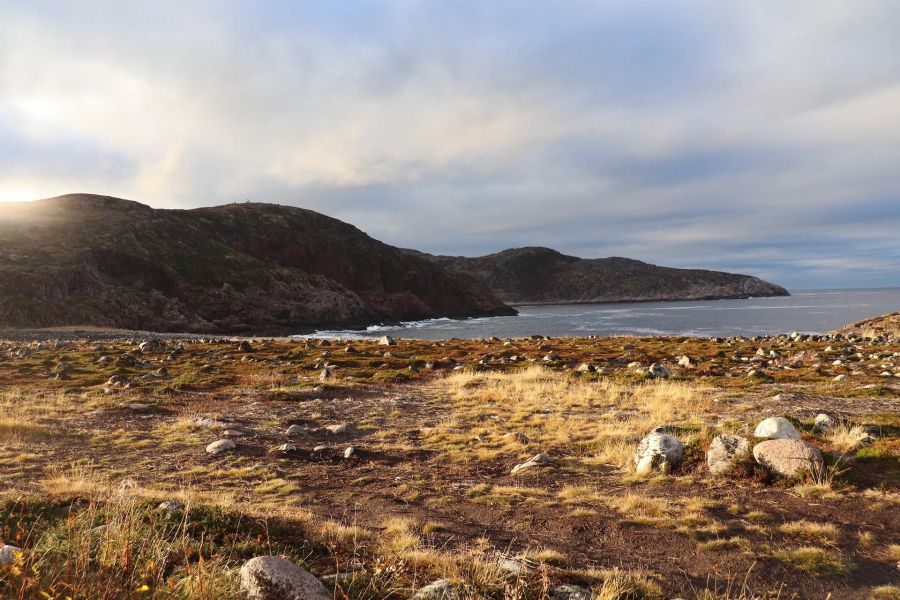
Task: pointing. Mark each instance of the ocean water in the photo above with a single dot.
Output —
(806, 311)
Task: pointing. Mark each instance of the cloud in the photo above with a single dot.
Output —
(757, 136)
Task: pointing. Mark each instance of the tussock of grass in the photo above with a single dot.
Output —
(821, 532)
(817, 561)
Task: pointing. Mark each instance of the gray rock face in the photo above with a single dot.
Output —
(724, 450)
(273, 578)
(658, 451)
(442, 589)
(788, 458)
(776, 428)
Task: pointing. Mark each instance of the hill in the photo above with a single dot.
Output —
(545, 276)
(84, 259)
(885, 326)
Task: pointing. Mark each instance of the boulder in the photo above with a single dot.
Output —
(724, 450)
(658, 451)
(776, 428)
(387, 340)
(788, 458)
(273, 578)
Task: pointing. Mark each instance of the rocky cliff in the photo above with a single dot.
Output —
(544, 276)
(94, 260)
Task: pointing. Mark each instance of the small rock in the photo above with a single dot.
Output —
(221, 446)
(441, 589)
(776, 428)
(538, 460)
(659, 371)
(567, 591)
(840, 378)
(169, 506)
(295, 430)
(245, 346)
(336, 429)
(349, 452)
(387, 340)
(287, 447)
(273, 578)
(823, 422)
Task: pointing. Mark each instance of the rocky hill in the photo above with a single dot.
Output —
(248, 268)
(545, 276)
(885, 326)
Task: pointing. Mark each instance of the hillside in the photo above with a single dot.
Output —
(83, 259)
(885, 326)
(545, 276)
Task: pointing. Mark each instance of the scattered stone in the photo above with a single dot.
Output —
(336, 429)
(287, 447)
(841, 378)
(245, 346)
(169, 506)
(441, 589)
(776, 428)
(685, 361)
(387, 340)
(273, 578)
(220, 446)
(136, 406)
(320, 448)
(724, 450)
(658, 451)
(788, 457)
(538, 460)
(518, 436)
(349, 452)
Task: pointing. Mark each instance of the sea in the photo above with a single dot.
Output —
(804, 311)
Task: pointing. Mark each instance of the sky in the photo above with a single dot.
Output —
(753, 136)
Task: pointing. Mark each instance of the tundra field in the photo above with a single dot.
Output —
(157, 467)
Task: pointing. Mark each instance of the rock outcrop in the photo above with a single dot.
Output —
(545, 276)
(249, 268)
(885, 326)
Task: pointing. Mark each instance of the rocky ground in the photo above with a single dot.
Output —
(134, 465)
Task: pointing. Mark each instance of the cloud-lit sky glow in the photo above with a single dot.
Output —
(756, 136)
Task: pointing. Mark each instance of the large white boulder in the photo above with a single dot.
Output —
(220, 446)
(724, 451)
(789, 458)
(776, 428)
(658, 451)
(273, 578)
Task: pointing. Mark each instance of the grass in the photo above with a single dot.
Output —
(825, 533)
(429, 494)
(816, 561)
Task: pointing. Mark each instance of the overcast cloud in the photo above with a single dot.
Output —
(753, 136)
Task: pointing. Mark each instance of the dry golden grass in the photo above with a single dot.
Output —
(598, 422)
(825, 533)
(847, 436)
